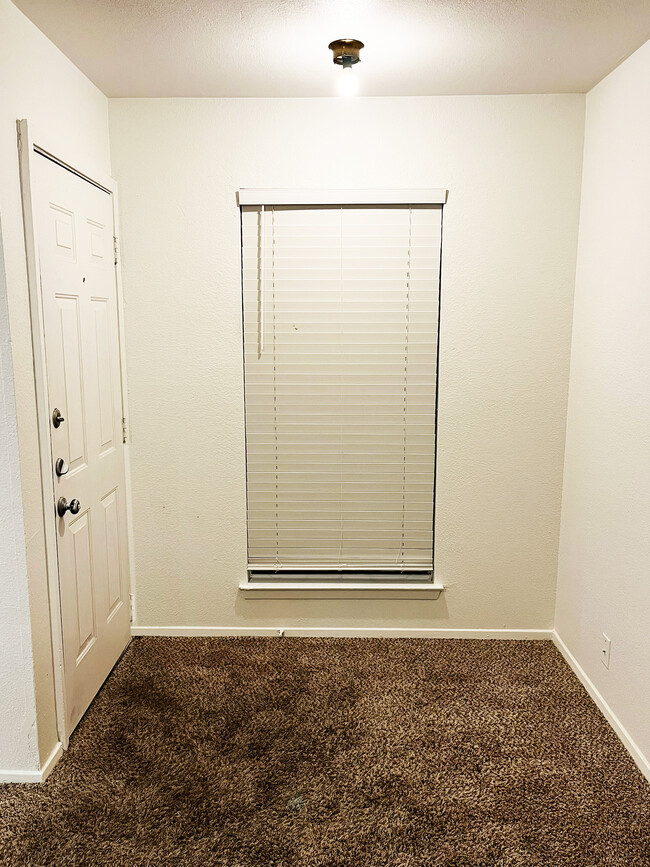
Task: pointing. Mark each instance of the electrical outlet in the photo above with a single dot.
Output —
(605, 650)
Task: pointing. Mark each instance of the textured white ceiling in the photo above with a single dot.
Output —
(279, 47)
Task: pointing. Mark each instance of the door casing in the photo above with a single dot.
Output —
(30, 144)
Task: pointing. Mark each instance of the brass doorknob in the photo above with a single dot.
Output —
(64, 506)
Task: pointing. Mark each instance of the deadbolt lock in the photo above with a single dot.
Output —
(57, 418)
(61, 467)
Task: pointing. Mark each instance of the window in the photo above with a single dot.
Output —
(340, 308)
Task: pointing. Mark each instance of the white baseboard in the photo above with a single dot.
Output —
(210, 631)
(48, 767)
(392, 632)
(343, 632)
(34, 776)
(640, 760)
(20, 777)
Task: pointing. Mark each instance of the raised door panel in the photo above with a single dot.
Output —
(104, 374)
(110, 509)
(73, 407)
(81, 563)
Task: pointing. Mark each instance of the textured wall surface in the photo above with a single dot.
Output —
(512, 165)
(69, 115)
(18, 744)
(604, 564)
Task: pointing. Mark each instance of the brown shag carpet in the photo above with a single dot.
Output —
(292, 752)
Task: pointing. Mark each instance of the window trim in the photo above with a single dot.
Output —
(355, 586)
(264, 589)
(253, 197)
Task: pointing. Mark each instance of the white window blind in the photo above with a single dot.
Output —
(340, 348)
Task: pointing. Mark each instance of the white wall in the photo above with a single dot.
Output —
(512, 165)
(18, 741)
(39, 83)
(604, 563)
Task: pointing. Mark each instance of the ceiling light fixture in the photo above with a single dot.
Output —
(346, 54)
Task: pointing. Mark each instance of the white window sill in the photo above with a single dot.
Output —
(419, 589)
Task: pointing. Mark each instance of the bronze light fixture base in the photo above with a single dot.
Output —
(346, 51)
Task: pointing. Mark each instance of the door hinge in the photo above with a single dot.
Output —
(131, 607)
(116, 248)
(123, 430)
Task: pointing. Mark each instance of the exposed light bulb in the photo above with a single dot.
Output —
(348, 82)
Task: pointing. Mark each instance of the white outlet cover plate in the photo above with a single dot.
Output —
(606, 650)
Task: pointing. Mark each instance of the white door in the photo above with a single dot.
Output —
(77, 269)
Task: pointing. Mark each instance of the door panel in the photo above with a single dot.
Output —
(104, 380)
(69, 340)
(112, 548)
(75, 230)
(82, 568)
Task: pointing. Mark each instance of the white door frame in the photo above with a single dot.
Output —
(28, 146)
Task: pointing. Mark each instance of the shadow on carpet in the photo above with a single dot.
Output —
(290, 752)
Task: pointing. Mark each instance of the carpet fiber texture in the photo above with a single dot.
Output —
(290, 752)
